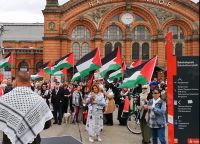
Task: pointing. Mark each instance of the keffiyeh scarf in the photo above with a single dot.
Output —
(23, 114)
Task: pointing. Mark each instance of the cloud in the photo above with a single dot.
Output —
(24, 10)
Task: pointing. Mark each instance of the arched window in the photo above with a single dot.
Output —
(145, 51)
(85, 49)
(23, 66)
(135, 51)
(108, 48)
(178, 39)
(141, 33)
(179, 49)
(80, 33)
(80, 41)
(118, 44)
(38, 66)
(113, 33)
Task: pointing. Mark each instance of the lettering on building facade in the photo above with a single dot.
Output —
(93, 3)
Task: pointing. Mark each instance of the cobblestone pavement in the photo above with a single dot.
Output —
(115, 134)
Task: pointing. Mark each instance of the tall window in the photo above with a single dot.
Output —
(81, 40)
(141, 38)
(178, 39)
(145, 51)
(76, 50)
(23, 66)
(108, 48)
(38, 66)
(179, 49)
(118, 45)
(113, 37)
(85, 49)
(136, 51)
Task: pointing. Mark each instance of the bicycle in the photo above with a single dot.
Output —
(133, 123)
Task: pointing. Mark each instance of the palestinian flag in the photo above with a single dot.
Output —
(47, 67)
(65, 62)
(117, 74)
(89, 62)
(62, 72)
(7, 61)
(139, 75)
(76, 77)
(111, 62)
(136, 63)
(40, 74)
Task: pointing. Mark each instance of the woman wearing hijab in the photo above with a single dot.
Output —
(96, 103)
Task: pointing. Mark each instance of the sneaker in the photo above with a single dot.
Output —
(91, 139)
(99, 139)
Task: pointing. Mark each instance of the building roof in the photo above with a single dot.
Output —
(23, 31)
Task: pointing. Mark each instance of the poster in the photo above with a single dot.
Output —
(186, 101)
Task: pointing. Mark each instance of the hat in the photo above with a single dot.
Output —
(145, 86)
(153, 83)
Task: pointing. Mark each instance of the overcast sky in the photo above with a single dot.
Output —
(24, 10)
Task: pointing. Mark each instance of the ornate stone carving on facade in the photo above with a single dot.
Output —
(63, 27)
(51, 26)
(97, 14)
(160, 31)
(161, 14)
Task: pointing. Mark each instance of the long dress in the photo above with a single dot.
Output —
(94, 123)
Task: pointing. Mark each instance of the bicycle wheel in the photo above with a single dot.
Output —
(133, 124)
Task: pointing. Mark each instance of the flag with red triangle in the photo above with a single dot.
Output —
(62, 72)
(40, 74)
(89, 62)
(136, 63)
(47, 67)
(111, 62)
(7, 61)
(142, 74)
(117, 74)
(65, 62)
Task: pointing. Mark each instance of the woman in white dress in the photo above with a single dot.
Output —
(96, 103)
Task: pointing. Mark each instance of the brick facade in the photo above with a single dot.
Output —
(97, 15)
(157, 16)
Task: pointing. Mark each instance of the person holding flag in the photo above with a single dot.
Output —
(123, 110)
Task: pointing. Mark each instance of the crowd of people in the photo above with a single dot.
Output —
(100, 100)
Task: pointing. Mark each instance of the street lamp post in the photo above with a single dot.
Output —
(1, 44)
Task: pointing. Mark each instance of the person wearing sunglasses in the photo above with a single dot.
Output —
(156, 117)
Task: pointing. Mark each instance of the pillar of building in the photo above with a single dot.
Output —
(161, 50)
(127, 49)
(98, 43)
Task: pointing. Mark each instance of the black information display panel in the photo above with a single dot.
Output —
(186, 101)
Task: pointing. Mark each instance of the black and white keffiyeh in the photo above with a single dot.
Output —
(23, 114)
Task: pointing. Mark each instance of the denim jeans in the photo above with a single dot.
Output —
(158, 133)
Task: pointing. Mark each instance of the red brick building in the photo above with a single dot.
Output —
(138, 27)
